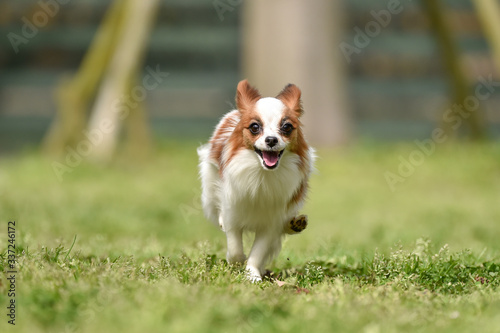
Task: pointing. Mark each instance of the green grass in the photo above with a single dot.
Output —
(425, 258)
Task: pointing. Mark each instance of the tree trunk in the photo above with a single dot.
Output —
(109, 111)
(296, 41)
(73, 95)
(489, 15)
(457, 78)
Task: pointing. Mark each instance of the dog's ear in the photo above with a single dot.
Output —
(290, 96)
(246, 96)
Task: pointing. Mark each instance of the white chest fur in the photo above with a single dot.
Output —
(256, 198)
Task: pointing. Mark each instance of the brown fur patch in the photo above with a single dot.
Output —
(246, 96)
(290, 96)
(221, 136)
(241, 138)
(300, 193)
(301, 148)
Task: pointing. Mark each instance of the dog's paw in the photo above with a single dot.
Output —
(253, 274)
(297, 224)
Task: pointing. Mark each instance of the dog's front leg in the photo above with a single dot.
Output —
(264, 246)
(235, 253)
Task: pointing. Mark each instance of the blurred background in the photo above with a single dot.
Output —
(369, 70)
(138, 85)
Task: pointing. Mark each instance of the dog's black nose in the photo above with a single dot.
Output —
(271, 141)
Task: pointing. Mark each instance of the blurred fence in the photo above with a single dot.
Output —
(397, 83)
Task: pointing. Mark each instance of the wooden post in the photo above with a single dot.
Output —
(296, 41)
(74, 94)
(489, 15)
(457, 78)
(106, 116)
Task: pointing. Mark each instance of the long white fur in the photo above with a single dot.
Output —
(249, 197)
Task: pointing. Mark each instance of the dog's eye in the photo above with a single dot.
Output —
(254, 128)
(287, 128)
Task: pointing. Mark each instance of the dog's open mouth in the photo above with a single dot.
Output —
(269, 157)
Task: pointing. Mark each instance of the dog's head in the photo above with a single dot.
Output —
(270, 126)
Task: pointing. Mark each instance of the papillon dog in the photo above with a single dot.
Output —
(254, 173)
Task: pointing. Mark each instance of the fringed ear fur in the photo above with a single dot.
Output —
(246, 96)
(290, 96)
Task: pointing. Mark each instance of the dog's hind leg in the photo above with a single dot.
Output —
(296, 225)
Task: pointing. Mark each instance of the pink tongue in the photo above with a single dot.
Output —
(270, 157)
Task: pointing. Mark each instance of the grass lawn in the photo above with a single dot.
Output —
(422, 258)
